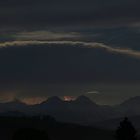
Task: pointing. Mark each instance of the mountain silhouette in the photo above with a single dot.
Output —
(130, 107)
(54, 99)
(82, 110)
(134, 101)
(12, 106)
(85, 101)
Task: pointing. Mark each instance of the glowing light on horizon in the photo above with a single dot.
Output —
(33, 100)
(69, 98)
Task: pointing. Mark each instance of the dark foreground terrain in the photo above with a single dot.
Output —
(9, 126)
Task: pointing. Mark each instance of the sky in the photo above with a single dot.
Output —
(69, 48)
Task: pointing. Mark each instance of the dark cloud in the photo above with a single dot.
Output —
(44, 12)
(46, 70)
(61, 63)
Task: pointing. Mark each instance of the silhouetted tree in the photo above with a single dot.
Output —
(126, 130)
(30, 134)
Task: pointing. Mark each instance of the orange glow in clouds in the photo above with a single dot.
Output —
(69, 98)
(33, 100)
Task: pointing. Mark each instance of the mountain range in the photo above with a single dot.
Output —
(82, 110)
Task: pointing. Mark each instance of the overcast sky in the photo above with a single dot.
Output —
(69, 48)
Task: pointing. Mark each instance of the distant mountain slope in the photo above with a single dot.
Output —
(82, 110)
(130, 107)
(15, 105)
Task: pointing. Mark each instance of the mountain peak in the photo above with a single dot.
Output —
(84, 99)
(54, 99)
(15, 101)
(132, 100)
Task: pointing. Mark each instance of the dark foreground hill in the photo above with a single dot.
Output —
(55, 130)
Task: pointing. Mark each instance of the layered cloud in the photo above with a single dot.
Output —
(93, 45)
(46, 35)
